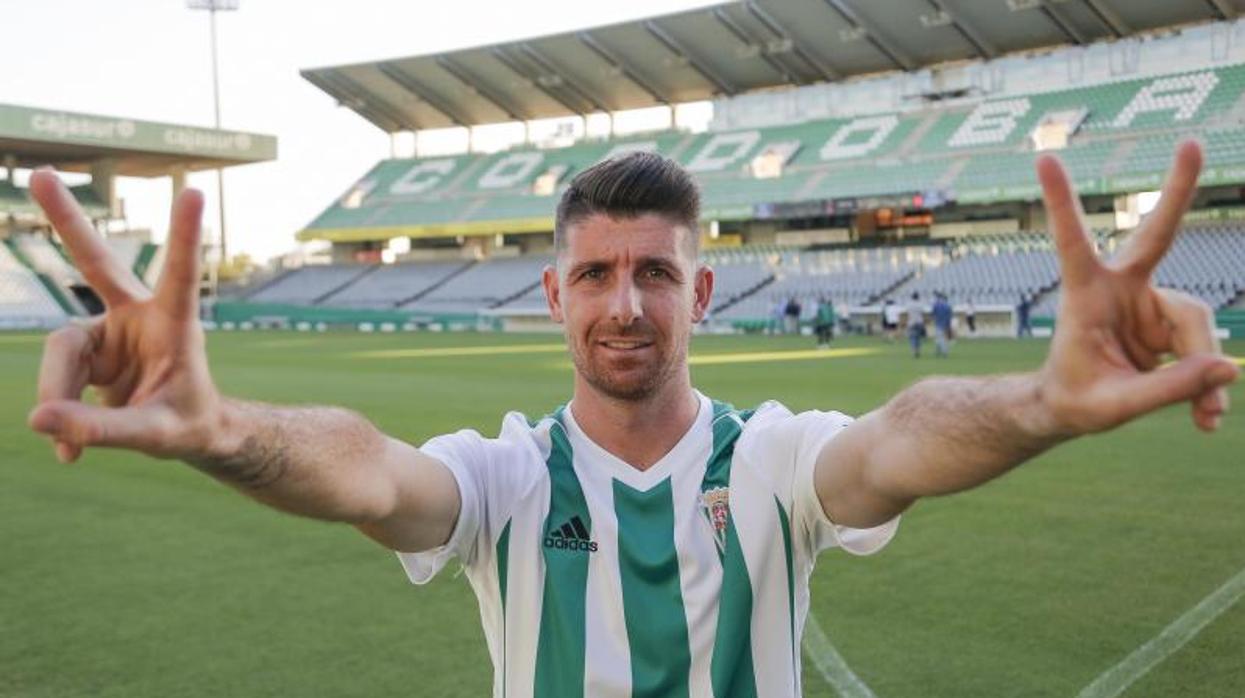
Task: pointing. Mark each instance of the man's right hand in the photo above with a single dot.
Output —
(144, 356)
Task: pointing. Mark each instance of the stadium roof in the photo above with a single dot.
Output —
(72, 142)
(726, 49)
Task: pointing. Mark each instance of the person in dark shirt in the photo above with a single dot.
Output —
(1023, 327)
(942, 325)
(825, 322)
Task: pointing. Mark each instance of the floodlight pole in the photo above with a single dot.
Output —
(212, 6)
(220, 171)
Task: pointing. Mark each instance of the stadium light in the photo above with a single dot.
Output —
(214, 6)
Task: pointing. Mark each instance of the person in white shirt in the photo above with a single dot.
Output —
(892, 316)
(643, 539)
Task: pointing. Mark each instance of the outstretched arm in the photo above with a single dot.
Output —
(146, 360)
(944, 435)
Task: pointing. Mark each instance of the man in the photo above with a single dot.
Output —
(791, 324)
(642, 540)
(970, 316)
(825, 322)
(1024, 327)
(890, 319)
(915, 317)
(942, 325)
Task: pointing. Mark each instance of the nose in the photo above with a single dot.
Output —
(625, 305)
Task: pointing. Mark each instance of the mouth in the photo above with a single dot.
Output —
(625, 344)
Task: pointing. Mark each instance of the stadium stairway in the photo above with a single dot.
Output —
(65, 300)
(438, 284)
(260, 288)
(745, 293)
(892, 288)
(144, 260)
(343, 286)
(517, 295)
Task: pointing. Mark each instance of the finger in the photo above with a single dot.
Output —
(64, 372)
(1078, 261)
(1179, 382)
(1192, 326)
(1146, 247)
(178, 289)
(81, 425)
(111, 280)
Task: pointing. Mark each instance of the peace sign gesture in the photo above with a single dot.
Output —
(1114, 326)
(145, 356)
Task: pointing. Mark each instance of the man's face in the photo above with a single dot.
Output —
(628, 292)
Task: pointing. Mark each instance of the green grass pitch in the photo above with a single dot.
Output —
(124, 576)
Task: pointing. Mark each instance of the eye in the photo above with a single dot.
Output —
(593, 274)
(656, 273)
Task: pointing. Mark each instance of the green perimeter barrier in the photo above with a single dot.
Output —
(280, 314)
(1233, 321)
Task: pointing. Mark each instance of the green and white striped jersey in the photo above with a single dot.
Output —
(687, 579)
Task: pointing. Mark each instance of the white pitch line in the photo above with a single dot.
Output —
(830, 663)
(1115, 680)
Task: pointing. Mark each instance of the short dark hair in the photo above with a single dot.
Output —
(630, 186)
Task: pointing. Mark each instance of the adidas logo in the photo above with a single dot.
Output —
(572, 535)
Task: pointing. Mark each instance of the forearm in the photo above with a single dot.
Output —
(945, 435)
(321, 462)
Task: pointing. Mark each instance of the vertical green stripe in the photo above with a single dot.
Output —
(785, 523)
(560, 652)
(648, 562)
(731, 669)
(503, 571)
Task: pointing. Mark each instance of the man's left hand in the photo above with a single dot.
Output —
(1115, 326)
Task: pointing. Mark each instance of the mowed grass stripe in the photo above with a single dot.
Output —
(694, 360)
(768, 356)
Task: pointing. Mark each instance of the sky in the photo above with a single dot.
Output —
(150, 60)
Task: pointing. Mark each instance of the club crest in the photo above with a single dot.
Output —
(717, 505)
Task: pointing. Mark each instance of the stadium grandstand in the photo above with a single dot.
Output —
(39, 285)
(857, 151)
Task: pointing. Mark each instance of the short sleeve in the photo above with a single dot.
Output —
(793, 442)
(465, 454)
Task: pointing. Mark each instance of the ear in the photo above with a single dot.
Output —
(702, 286)
(553, 292)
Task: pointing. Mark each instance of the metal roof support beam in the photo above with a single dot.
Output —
(578, 88)
(517, 69)
(587, 39)
(1109, 18)
(482, 88)
(1060, 20)
(771, 23)
(386, 117)
(983, 47)
(674, 46)
(425, 95)
(1224, 9)
(889, 49)
(747, 40)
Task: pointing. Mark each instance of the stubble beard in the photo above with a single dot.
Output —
(629, 386)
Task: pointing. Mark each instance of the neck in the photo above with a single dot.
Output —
(662, 418)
